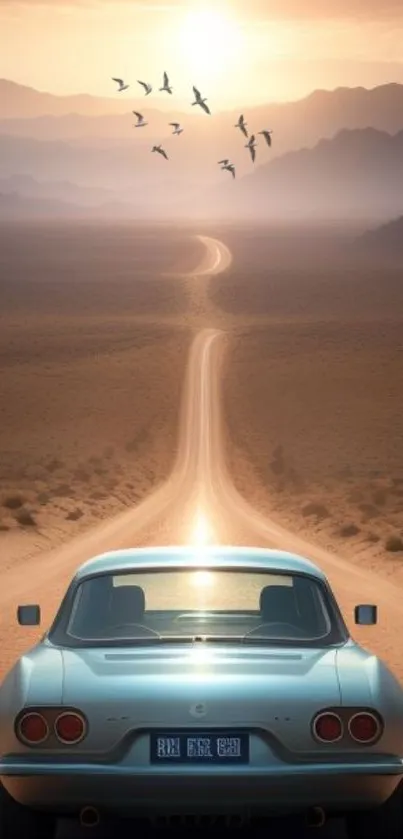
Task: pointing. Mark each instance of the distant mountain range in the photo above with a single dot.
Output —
(20, 101)
(355, 175)
(106, 121)
(64, 191)
(335, 155)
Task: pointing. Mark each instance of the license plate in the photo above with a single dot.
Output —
(200, 747)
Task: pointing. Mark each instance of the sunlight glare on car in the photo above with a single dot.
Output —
(203, 579)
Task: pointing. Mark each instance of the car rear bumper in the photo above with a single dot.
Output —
(65, 788)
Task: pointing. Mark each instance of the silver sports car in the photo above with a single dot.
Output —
(220, 681)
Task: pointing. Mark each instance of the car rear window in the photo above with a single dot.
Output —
(231, 604)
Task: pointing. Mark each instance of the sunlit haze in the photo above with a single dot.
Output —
(243, 52)
(201, 532)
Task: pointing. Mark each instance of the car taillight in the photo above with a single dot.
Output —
(328, 727)
(32, 728)
(70, 727)
(364, 727)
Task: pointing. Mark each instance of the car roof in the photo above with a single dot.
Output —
(212, 556)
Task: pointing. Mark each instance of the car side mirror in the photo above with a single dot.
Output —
(366, 615)
(29, 615)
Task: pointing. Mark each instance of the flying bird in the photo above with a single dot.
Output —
(200, 101)
(177, 127)
(242, 125)
(266, 135)
(140, 120)
(122, 85)
(166, 86)
(223, 162)
(251, 145)
(147, 87)
(230, 168)
(160, 150)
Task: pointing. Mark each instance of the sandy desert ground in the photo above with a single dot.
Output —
(92, 358)
(313, 395)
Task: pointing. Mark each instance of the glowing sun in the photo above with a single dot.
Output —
(211, 43)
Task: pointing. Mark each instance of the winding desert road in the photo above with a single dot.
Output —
(198, 504)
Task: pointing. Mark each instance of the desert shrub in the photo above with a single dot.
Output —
(74, 515)
(315, 509)
(348, 530)
(43, 498)
(54, 465)
(394, 544)
(13, 502)
(25, 518)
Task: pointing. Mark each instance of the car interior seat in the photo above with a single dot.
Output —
(277, 603)
(127, 605)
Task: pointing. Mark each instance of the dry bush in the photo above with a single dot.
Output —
(13, 502)
(25, 518)
(315, 509)
(54, 465)
(348, 530)
(394, 544)
(43, 498)
(74, 515)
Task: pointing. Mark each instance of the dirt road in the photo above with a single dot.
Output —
(197, 505)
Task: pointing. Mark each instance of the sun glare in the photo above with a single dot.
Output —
(202, 532)
(210, 42)
(203, 579)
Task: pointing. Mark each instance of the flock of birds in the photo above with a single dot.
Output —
(177, 128)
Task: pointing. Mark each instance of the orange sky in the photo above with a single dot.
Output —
(245, 51)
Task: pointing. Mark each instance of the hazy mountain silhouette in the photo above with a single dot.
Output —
(296, 124)
(17, 100)
(355, 175)
(14, 207)
(386, 240)
(27, 187)
(124, 168)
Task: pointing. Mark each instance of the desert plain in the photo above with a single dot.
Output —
(96, 322)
